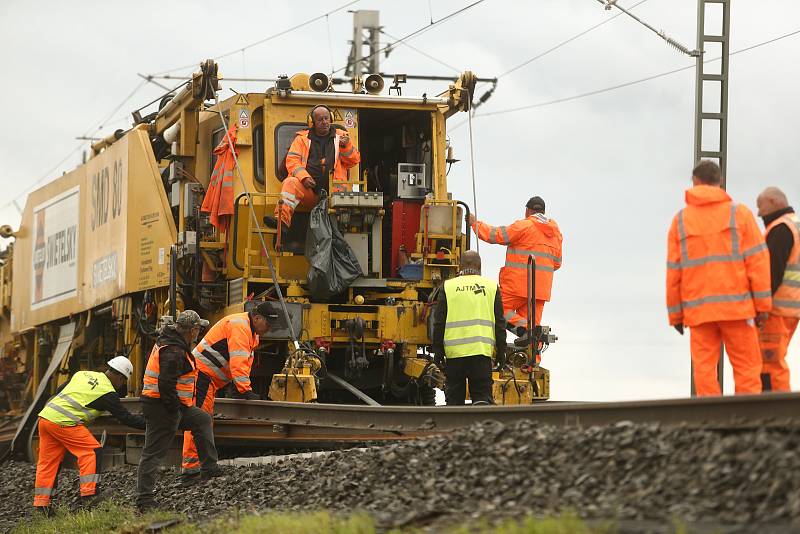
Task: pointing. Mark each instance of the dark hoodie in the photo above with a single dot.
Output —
(173, 362)
(779, 242)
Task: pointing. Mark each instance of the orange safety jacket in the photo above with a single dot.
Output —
(226, 352)
(184, 387)
(218, 200)
(346, 158)
(786, 300)
(717, 261)
(535, 236)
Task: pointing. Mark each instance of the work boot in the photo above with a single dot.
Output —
(44, 511)
(88, 502)
(188, 479)
(523, 341)
(144, 507)
(272, 222)
(214, 472)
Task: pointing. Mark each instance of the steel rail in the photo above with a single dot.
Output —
(296, 421)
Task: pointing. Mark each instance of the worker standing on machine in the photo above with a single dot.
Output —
(62, 428)
(468, 329)
(783, 241)
(536, 236)
(225, 354)
(167, 401)
(315, 153)
(718, 282)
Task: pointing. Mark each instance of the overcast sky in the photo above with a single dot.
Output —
(612, 167)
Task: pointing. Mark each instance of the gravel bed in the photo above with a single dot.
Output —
(629, 472)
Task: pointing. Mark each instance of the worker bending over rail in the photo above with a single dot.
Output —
(783, 241)
(314, 155)
(167, 401)
(224, 354)
(536, 236)
(718, 282)
(62, 428)
(468, 329)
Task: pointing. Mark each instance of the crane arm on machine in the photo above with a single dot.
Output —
(185, 105)
(182, 110)
(459, 95)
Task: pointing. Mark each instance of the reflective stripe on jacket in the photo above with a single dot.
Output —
(184, 386)
(69, 407)
(297, 157)
(717, 261)
(535, 236)
(469, 328)
(218, 200)
(226, 351)
(786, 300)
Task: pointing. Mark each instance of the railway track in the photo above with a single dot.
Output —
(284, 423)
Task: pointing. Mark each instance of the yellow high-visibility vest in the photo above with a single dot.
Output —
(69, 408)
(469, 327)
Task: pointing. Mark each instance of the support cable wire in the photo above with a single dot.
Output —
(633, 82)
(415, 33)
(566, 42)
(422, 52)
(45, 176)
(661, 33)
(264, 250)
(543, 54)
(472, 171)
(268, 38)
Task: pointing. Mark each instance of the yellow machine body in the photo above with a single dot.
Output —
(88, 275)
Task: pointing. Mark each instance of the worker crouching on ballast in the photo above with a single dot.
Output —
(225, 354)
(468, 329)
(62, 428)
(167, 401)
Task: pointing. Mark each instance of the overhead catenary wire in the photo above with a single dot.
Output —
(551, 50)
(89, 133)
(265, 39)
(633, 82)
(422, 52)
(565, 42)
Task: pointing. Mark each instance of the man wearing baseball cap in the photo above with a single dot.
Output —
(536, 236)
(225, 354)
(168, 403)
(62, 428)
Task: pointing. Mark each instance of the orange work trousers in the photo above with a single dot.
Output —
(741, 344)
(205, 394)
(774, 339)
(294, 194)
(515, 309)
(54, 441)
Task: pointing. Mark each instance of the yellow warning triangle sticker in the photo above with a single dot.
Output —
(242, 100)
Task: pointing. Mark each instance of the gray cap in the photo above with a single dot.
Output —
(190, 318)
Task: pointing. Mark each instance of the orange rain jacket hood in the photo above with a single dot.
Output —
(717, 261)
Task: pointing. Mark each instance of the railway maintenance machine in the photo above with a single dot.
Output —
(88, 273)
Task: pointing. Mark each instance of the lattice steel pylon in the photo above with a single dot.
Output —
(366, 32)
(719, 116)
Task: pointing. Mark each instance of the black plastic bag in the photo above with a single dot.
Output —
(332, 264)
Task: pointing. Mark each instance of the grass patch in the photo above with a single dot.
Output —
(107, 517)
(114, 518)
